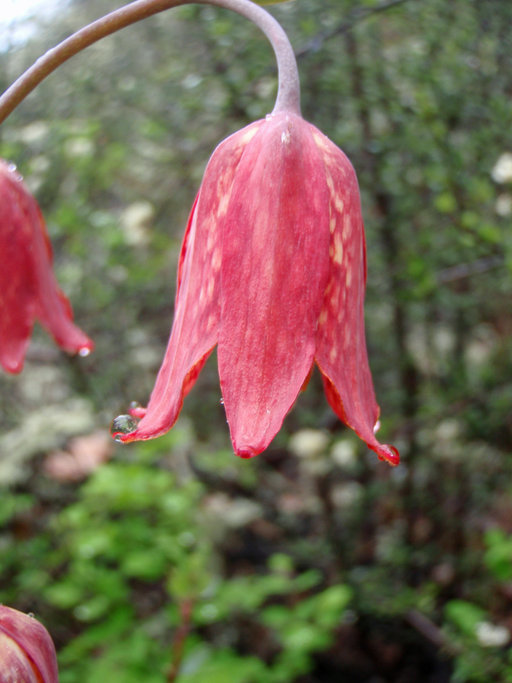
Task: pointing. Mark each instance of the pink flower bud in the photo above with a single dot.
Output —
(27, 653)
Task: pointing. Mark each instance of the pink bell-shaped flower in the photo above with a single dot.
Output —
(27, 653)
(28, 289)
(272, 271)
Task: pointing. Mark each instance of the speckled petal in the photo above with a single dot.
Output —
(197, 308)
(274, 271)
(341, 346)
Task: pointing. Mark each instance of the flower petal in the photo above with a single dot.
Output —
(14, 664)
(274, 271)
(196, 320)
(27, 652)
(28, 289)
(17, 288)
(341, 346)
(54, 311)
(16, 297)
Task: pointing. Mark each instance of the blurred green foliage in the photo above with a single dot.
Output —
(174, 560)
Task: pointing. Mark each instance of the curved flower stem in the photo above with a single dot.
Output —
(288, 94)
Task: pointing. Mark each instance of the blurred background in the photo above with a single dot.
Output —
(173, 560)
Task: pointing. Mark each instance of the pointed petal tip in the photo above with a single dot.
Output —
(246, 452)
(12, 367)
(124, 438)
(127, 437)
(387, 453)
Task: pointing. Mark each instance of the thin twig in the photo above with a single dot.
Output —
(431, 632)
(357, 15)
(463, 270)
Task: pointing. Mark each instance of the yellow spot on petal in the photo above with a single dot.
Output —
(223, 204)
(338, 248)
(338, 203)
(330, 182)
(322, 318)
(248, 135)
(332, 224)
(321, 142)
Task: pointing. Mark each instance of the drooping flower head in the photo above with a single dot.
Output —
(27, 653)
(28, 289)
(272, 271)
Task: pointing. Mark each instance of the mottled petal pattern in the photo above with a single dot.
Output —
(341, 345)
(274, 271)
(195, 328)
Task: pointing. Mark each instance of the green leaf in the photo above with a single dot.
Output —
(465, 615)
(498, 556)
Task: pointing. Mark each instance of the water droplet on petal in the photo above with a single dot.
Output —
(122, 424)
(222, 401)
(269, 117)
(376, 427)
(134, 405)
(84, 351)
(12, 167)
(390, 454)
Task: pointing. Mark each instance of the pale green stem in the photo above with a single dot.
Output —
(288, 93)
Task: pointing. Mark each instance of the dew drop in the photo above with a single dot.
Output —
(376, 427)
(122, 424)
(134, 405)
(31, 614)
(12, 167)
(222, 401)
(269, 117)
(84, 351)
